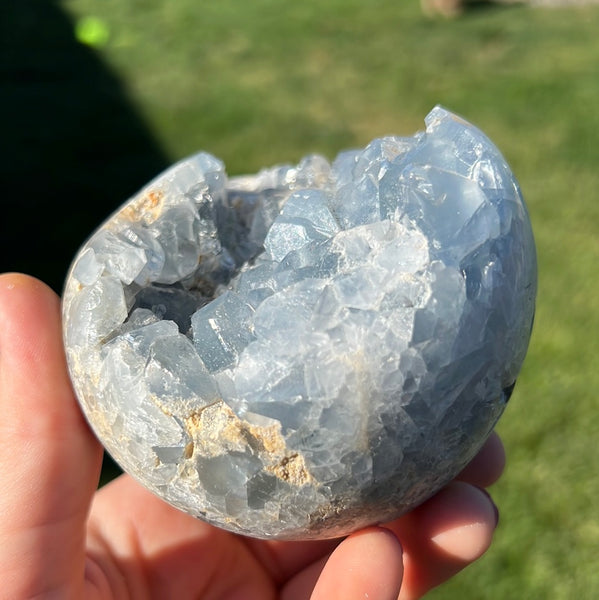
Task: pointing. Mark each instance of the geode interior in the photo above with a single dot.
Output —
(300, 353)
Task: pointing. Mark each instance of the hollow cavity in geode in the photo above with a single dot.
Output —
(312, 349)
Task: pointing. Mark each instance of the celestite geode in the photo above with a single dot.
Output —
(299, 353)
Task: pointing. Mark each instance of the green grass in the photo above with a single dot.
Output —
(268, 81)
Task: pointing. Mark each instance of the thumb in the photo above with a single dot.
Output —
(49, 459)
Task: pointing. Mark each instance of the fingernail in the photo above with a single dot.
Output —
(466, 543)
(490, 499)
(472, 532)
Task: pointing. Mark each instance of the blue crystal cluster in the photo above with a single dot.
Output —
(312, 349)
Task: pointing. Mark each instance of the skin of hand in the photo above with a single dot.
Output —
(62, 540)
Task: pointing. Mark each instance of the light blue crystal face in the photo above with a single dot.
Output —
(303, 352)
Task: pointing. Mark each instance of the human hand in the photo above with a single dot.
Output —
(63, 540)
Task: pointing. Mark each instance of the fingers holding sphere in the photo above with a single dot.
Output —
(444, 535)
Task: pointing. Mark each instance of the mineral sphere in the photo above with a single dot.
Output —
(306, 351)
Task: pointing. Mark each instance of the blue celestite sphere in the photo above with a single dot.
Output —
(306, 351)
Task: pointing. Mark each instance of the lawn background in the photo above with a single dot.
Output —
(257, 82)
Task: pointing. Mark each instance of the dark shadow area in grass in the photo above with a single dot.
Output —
(479, 5)
(460, 8)
(73, 147)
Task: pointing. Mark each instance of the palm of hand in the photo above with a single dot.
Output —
(132, 545)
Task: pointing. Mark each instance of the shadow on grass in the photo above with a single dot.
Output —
(73, 147)
(479, 5)
(461, 8)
